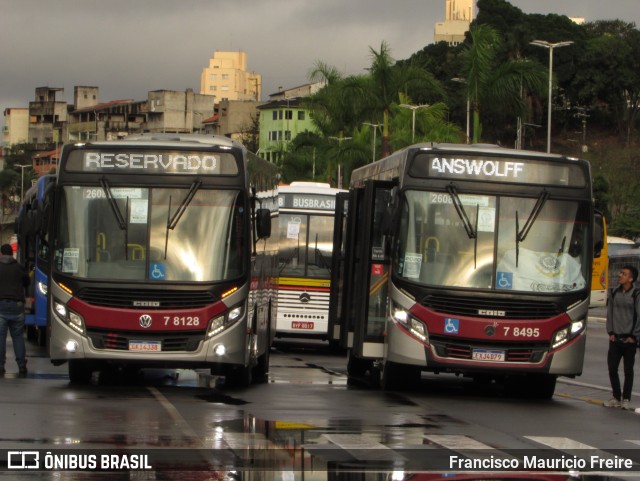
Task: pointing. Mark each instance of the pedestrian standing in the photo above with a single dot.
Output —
(623, 305)
(13, 282)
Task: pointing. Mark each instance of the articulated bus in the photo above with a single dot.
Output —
(473, 260)
(306, 243)
(33, 254)
(162, 256)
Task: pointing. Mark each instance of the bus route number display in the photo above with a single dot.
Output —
(497, 169)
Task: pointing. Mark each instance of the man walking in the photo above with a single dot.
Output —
(13, 281)
(623, 305)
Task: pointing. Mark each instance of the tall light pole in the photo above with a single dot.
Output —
(375, 128)
(22, 167)
(413, 122)
(550, 46)
(340, 140)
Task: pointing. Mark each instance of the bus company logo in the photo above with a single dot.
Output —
(490, 330)
(492, 313)
(145, 321)
(23, 460)
(146, 303)
(305, 297)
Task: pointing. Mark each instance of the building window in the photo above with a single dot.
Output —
(225, 76)
(287, 135)
(225, 88)
(300, 114)
(279, 114)
(213, 88)
(213, 77)
(288, 114)
(275, 115)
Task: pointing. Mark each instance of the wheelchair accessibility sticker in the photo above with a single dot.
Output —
(157, 271)
(504, 280)
(451, 326)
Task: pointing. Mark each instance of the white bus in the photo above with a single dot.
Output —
(306, 212)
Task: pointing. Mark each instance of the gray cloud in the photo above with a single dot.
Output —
(128, 47)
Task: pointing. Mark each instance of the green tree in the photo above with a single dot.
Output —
(495, 84)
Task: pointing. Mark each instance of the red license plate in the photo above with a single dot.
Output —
(301, 325)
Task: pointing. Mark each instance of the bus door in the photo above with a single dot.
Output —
(365, 273)
(338, 285)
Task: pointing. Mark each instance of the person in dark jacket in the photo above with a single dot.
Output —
(13, 281)
(623, 327)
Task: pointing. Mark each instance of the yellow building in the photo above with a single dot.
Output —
(458, 17)
(227, 77)
(16, 127)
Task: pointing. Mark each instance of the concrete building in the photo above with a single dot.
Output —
(458, 17)
(233, 118)
(226, 77)
(16, 127)
(176, 112)
(47, 117)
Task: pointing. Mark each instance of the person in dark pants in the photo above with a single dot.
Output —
(623, 305)
(13, 281)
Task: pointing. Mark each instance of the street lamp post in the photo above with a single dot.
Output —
(375, 128)
(413, 122)
(550, 46)
(22, 167)
(340, 140)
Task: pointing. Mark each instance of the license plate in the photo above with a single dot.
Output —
(301, 325)
(145, 346)
(486, 355)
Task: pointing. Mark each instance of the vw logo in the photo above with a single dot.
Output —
(305, 297)
(145, 320)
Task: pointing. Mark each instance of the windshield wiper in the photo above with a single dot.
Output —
(172, 221)
(457, 203)
(472, 231)
(521, 235)
(122, 222)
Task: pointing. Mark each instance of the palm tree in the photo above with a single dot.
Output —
(498, 85)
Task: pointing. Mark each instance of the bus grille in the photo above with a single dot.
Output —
(531, 353)
(120, 341)
(147, 298)
(473, 307)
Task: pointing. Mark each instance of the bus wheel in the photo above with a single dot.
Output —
(399, 376)
(80, 372)
(239, 376)
(542, 386)
(357, 367)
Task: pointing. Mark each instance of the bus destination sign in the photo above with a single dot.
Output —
(152, 162)
(306, 201)
(497, 169)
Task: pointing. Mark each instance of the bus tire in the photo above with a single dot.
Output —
(239, 377)
(399, 376)
(261, 369)
(80, 372)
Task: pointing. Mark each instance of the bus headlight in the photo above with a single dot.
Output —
(70, 318)
(416, 327)
(564, 335)
(220, 323)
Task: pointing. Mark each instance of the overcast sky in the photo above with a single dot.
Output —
(129, 47)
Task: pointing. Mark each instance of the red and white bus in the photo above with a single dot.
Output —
(471, 260)
(162, 256)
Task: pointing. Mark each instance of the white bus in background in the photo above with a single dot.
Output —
(306, 214)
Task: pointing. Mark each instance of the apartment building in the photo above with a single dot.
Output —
(16, 127)
(227, 78)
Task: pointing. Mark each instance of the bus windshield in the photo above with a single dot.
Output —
(150, 233)
(306, 243)
(493, 242)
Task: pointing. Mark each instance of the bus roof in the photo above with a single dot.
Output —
(300, 187)
(163, 139)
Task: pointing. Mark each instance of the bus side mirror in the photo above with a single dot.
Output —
(598, 235)
(263, 223)
(392, 213)
(44, 211)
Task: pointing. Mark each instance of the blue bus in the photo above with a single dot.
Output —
(33, 254)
